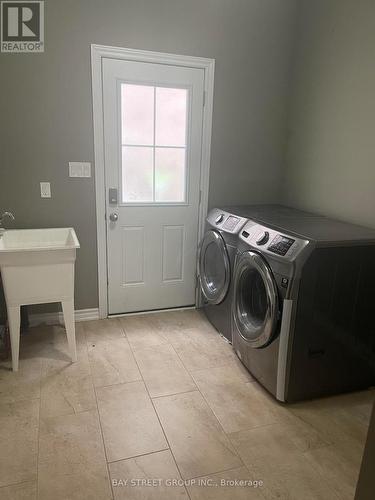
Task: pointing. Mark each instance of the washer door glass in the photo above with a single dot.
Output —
(214, 267)
(256, 307)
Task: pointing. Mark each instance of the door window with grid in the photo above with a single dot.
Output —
(153, 144)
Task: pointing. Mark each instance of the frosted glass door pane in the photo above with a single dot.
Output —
(170, 117)
(137, 114)
(137, 174)
(170, 174)
(154, 144)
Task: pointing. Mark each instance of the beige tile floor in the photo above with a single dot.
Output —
(158, 407)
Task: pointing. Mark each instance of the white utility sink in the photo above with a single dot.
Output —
(37, 266)
(18, 240)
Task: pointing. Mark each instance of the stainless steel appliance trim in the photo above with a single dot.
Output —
(283, 349)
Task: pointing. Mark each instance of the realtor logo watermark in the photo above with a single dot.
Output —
(22, 26)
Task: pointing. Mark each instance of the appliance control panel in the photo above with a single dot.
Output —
(281, 244)
(225, 221)
(272, 241)
(231, 223)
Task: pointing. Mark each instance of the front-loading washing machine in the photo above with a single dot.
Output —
(216, 255)
(302, 313)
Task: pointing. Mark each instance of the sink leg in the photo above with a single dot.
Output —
(68, 311)
(14, 330)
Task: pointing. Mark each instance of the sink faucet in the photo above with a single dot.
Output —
(2, 217)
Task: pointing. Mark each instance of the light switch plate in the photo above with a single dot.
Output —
(79, 169)
(45, 190)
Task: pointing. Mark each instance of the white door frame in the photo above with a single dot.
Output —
(98, 52)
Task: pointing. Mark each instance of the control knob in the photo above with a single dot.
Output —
(263, 238)
(219, 219)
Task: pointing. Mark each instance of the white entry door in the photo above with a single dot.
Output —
(152, 141)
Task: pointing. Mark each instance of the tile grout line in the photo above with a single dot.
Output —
(157, 415)
(42, 367)
(191, 373)
(173, 394)
(207, 403)
(211, 410)
(26, 481)
(118, 383)
(227, 434)
(251, 473)
(99, 419)
(214, 473)
(319, 432)
(138, 456)
(213, 413)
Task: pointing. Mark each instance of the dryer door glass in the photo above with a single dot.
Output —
(214, 267)
(256, 308)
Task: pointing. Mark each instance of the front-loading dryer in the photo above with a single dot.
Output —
(215, 267)
(303, 305)
(262, 299)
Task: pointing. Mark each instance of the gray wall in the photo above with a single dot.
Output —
(331, 146)
(46, 117)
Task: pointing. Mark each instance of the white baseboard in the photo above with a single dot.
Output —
(152, 311)
(56, 318)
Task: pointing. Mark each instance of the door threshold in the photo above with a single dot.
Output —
(152, 311)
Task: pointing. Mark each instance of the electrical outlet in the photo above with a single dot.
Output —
(45, 190)
(79, 169)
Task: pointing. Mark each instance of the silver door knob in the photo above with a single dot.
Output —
(113, 217)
